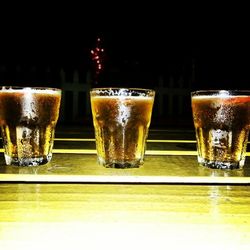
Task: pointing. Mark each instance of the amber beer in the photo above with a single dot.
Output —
(121, 119)
(222, 123)
(28, 118)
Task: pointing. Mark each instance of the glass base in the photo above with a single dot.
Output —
(220, 164)
(34, 161)
(122, 165)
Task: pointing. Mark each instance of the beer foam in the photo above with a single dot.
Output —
(30, 90)
(124, 97)
(122, 92)
(218, 101)
(218, 96)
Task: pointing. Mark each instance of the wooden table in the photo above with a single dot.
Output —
(168, 203)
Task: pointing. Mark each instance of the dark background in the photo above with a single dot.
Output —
(222, 56)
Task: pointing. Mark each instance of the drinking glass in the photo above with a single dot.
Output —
(121, 118)
(222, 122)
(28, 117)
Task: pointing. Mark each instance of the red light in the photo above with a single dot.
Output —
(97, 56)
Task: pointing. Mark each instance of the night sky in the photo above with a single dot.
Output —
(221, 52)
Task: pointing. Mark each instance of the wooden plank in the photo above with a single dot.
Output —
(148, 152)
(124, 179)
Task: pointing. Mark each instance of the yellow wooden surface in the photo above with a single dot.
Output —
(168, 203)
(124, 216)
(166, 161)
(161, 169)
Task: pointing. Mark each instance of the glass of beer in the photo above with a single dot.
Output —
(121, 120)
(28, 117)
(222, 122)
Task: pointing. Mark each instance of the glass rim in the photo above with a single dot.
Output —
(220, 92)
(24, 88)
(121, 88)
(116, 91)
